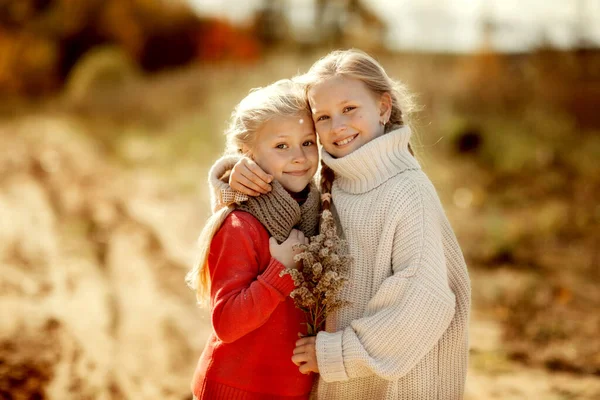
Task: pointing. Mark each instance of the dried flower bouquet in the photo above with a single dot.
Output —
(325, 264)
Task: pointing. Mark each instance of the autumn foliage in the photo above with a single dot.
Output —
(41, 41)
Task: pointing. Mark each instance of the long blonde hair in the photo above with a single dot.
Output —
(284, 98)
(359, 65)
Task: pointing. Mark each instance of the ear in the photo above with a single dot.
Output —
(246, 151)
(385, 106)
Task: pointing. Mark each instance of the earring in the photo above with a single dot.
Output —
(382, 122)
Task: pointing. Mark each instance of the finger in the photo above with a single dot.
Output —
(258, 183)
(299, 359)
(306, 340)
(291, 237)
(259, 173)
(246, 182)
(300, 349)
(272, 243)
(307, 368)
(301, 237)
(237, 183)
(296, 362)
(243, 189)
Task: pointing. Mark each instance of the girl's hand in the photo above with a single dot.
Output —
(285, 252)
(247, 177)
(305, 355)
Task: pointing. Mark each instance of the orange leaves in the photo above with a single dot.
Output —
(218, 40)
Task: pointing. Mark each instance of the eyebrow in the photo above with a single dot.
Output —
(284, 136)
(315, 111)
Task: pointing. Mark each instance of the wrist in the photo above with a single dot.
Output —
(288, 264)
(271, 276)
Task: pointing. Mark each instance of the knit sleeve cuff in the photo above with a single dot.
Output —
(221, 193)
(283, 284)
(330, 357)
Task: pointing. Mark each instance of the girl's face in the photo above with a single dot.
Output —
(347, 114)
(285, 147)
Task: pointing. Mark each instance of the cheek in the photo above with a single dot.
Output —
(267, 161)
(276, 164)
(313, 154)
(365, 119)
(323, 134)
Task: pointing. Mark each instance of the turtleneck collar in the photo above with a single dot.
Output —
(374, 163)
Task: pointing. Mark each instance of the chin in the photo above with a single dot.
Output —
(295, 187)
(341, 153)
(338, 153)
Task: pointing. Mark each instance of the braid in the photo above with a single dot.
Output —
(327, 177)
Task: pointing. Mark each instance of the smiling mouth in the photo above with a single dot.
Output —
(297, 173)
(345, 141)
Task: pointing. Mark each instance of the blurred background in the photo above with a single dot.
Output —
(111, 111)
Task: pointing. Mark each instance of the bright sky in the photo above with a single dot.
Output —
(452, 25)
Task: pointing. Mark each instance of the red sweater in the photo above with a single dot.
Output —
(254, 320)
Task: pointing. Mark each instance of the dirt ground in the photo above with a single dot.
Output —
(97, 230)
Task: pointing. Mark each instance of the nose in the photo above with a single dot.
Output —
(298, 155)
(338, 124)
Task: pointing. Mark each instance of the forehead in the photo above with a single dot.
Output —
(300, 124)
(338, 88)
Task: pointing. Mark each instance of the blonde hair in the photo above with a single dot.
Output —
(284, 98)
(359, 65)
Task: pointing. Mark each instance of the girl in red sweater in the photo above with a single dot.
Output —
(244, 247)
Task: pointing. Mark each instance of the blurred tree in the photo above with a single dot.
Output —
(270, 23)
(349, 23)
(100, 70)
(41, 41)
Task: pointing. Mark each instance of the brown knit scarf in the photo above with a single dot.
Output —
(280, 213)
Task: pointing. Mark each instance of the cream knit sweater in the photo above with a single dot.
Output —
(404, 333)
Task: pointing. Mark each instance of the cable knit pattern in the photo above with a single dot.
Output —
(276, 210)
(404, 333)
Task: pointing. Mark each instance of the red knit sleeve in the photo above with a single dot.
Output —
(243, 297)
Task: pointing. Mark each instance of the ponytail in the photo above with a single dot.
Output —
(198, 278)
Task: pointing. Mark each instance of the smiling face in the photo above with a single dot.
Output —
(285, 147)
(347, 114)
